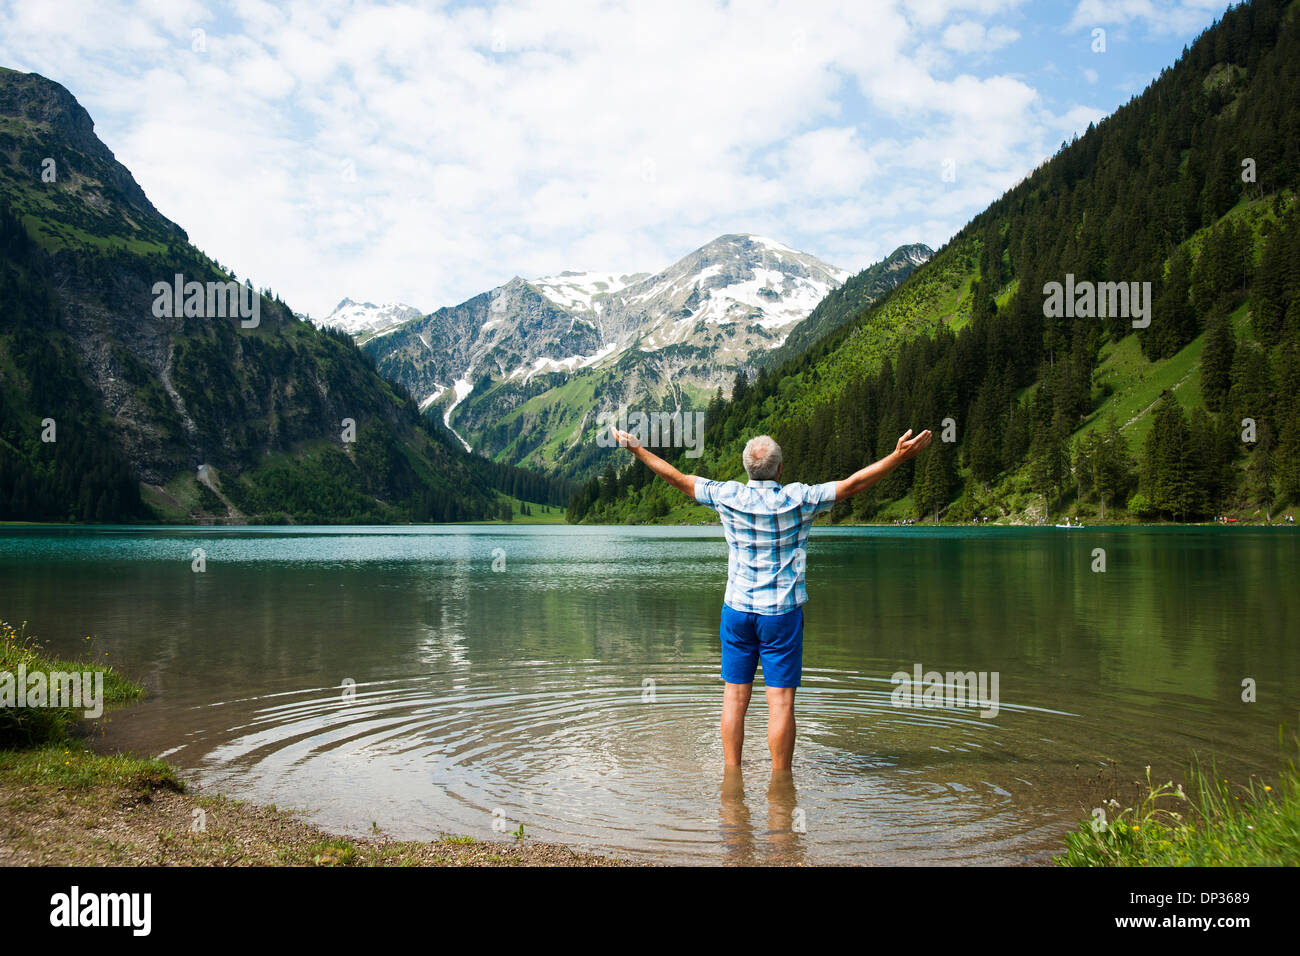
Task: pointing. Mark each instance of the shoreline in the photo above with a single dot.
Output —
(1240, 523)
(65, 805)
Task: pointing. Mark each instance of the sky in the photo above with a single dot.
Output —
(427, 152)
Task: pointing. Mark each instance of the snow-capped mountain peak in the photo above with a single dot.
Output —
(366, 318)
(752, 288)
(631, 337)
(733, 298)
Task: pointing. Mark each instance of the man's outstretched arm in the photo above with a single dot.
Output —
(863, 479)
(683, 483)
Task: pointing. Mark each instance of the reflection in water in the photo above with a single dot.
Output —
(737, 831)
(526, 690)
(785, 820)
(780, 844)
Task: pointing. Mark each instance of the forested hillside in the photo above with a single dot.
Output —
(1190, 187)
(114, 409)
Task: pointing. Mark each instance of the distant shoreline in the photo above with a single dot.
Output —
(1240, 523)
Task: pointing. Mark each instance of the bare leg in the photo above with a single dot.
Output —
(735, 701)
(780, 726)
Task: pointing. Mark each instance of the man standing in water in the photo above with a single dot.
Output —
(766, 526)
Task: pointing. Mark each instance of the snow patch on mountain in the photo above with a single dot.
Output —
(462, 386)
(569, 364)
(578, 291)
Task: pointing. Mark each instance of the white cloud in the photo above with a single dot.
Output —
(1158, 16)
(424, 153)
(931, 13)
(971, 37)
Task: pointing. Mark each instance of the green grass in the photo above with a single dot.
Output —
(1211, 822)
(899, 508)
(334, 851)
(52, 236)
(1137, 383)
(561, 406)
(71, 765)
(541, 514)
(186, 498)
(563, 411)
(936, 294)
(41, 726)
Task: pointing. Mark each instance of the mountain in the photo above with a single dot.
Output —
(521, 372)
(361, 319)
(840, 305)
(1163, 389)
(122, 399)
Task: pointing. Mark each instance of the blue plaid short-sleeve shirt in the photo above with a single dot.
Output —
(766, 526)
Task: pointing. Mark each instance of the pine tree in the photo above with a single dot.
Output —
(1167, 480)
(1216, 362)
(984, 449)
(739, 387)
(1084, 464)
(1261, 471)
(935, 480)
(1113, 469)
(1049, 466)
(1287, 457)
(1251, 393)
(1173, 321)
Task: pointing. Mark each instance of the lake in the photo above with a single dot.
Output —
(470, 679)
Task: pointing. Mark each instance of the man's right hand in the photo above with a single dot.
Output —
(908, 447)
(683, 483)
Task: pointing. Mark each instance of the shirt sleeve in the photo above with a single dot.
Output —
(821, 497)
(706, 491)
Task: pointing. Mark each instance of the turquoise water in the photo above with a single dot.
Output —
(391, 675)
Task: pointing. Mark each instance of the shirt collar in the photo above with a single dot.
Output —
(765, 483)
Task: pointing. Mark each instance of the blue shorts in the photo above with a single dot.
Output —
(776, 638)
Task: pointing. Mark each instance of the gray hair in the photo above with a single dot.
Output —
(762, 458)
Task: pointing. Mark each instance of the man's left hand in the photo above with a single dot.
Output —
(626, 439)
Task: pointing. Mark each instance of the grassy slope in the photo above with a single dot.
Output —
(541, 514)
(936, 294)
(563, 415)
(563, 407)
(82, 211)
